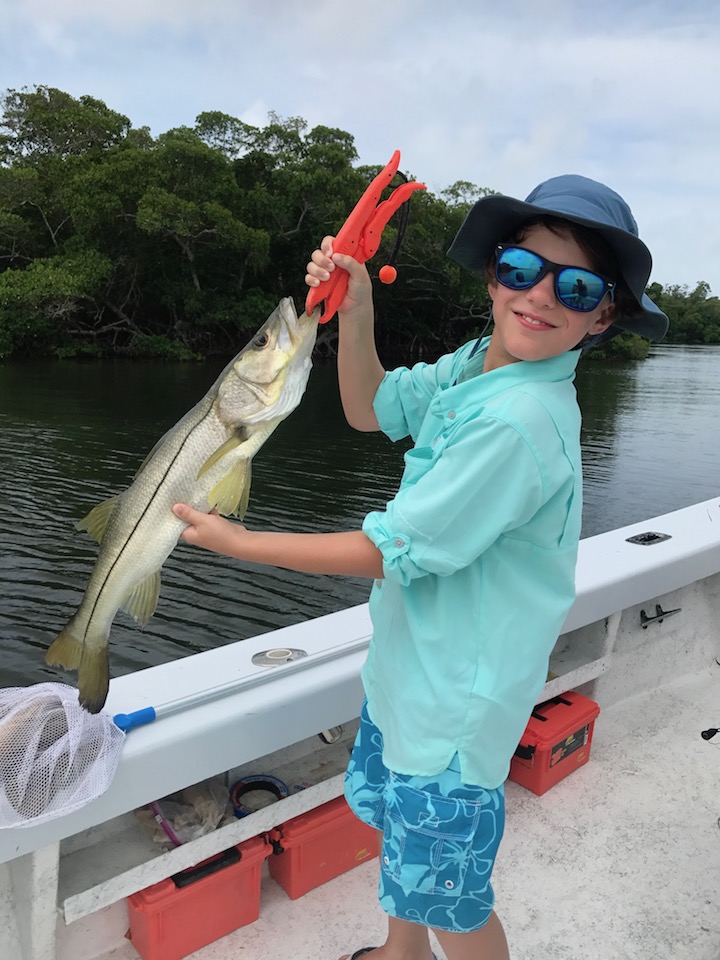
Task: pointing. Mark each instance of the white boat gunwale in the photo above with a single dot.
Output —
(615, 579)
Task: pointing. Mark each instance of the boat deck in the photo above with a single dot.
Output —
(619, 861)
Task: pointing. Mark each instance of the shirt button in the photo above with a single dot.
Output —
(399, 542)
(378, 584)
(386, 861)
(449, 884)
(451, 415)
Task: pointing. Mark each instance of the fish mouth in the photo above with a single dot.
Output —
(297, 333)
(296, 328)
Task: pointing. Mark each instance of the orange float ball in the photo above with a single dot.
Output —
(387, 274)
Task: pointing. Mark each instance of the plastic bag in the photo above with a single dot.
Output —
(188, 814)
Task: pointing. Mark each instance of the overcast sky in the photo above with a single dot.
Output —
(503, 94)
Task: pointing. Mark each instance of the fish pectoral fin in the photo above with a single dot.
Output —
(231, 494)
(142, 600)
(240, 436)
(95, 523)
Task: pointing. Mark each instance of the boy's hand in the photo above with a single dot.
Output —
(324, 261)
(209, 530)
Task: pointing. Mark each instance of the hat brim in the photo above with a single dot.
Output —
(496, 218)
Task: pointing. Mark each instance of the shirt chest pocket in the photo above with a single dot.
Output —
(420, 460)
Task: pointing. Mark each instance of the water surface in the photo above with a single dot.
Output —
(73, 434)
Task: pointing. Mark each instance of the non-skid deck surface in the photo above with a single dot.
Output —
(620, 861)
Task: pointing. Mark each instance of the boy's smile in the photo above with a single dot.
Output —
(532, 324)
(537, 322)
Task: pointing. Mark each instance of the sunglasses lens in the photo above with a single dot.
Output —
(580, 289)
(575, 288)
(518, 269)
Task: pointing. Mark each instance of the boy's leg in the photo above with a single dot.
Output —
(440, 838)
(409, 941)
(487, 943)
(405, 941)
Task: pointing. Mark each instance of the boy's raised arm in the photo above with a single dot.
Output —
(359, 369)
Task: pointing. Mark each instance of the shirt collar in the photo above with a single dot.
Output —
(471, 357)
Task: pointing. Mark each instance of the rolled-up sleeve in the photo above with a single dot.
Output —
(482, 483)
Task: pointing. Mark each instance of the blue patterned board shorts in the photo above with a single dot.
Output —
(440, 837)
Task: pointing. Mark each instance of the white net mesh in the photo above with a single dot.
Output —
(54, 755)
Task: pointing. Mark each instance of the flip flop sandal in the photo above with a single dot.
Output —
(364, 950)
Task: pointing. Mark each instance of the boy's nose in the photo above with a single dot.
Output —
(543, 293)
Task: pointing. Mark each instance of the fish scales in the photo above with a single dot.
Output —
(204, 460)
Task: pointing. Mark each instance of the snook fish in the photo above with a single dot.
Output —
(204, 460)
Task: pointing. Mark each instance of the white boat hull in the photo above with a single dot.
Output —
(85, 865)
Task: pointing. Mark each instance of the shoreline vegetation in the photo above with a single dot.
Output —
(114, 243)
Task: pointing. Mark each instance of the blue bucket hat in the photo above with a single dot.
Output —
(586, 202)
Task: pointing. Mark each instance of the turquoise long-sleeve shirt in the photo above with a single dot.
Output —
(479, 548)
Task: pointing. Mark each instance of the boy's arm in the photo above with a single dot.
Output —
(359, 369)
(350, 553)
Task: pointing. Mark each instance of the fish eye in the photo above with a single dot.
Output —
(261, 341)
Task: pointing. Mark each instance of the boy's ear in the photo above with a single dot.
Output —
(604, 320)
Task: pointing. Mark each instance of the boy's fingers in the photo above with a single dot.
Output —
(185, 512)
(321, 258)
(344, 260)
(318, 269)
(356, 270)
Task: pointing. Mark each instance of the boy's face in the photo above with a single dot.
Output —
(532, 324)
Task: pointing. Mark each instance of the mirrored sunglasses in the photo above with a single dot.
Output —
(575, 288)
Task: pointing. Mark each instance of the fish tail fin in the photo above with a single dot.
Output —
(91, 662)
(94, 679)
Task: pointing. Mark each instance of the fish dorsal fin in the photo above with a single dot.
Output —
(142, 600)
(231, 443)
(95, 523)
(231, 494)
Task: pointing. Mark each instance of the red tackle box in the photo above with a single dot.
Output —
(180, 915)
(556, 741)
(317, 846)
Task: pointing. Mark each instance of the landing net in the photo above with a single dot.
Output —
(54, 756)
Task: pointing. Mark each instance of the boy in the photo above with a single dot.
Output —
(474, 558)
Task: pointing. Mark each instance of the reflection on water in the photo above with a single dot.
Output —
(650, 435)
(74, 434)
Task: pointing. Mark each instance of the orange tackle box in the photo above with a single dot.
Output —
(556, 741)
(180, 915)
(317, 846)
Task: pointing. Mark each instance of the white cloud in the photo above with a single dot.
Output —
(504, 95)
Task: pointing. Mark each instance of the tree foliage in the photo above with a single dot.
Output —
(113, 241)
(694, 314)
(46, 122)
